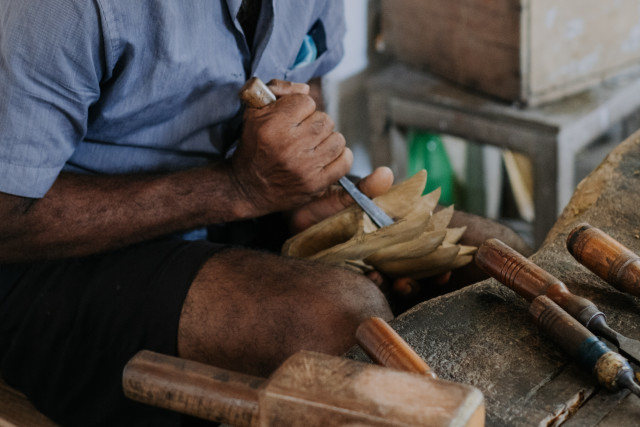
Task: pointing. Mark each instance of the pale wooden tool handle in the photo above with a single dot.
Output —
(192, 388)
(385, 347)
(255, 94)
(606, 257)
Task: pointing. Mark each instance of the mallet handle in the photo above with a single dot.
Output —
(192, 388)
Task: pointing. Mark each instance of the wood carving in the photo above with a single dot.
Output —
(417, 245)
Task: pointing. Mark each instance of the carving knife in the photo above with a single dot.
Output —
(256, 94)
(530, 281)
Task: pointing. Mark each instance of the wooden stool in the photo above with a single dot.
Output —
(549, 135)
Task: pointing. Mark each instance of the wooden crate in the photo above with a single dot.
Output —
(518, 50)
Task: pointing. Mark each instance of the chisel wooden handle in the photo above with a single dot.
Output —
(385, 347)
(192, 388)
(606, 257)
(612, 370)
(529, 280)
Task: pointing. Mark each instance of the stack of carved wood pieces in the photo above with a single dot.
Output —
(417, 245)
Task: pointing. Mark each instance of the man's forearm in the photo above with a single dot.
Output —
(82, 214)
(288, 155)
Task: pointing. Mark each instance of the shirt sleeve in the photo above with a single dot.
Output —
(50, 71)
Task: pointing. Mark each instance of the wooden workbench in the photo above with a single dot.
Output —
(483, 335)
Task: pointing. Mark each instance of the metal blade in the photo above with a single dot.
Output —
(629, 348)
(377, 215)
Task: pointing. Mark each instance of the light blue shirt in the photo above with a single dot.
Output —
(132, 86)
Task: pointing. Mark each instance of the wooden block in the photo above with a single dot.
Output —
(517, 50)
(311, 387)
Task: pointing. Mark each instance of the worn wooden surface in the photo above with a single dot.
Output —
(483, 335)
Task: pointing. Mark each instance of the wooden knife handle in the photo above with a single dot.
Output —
(560, 326)
(255, 94)
(385, 347)
(606, 257)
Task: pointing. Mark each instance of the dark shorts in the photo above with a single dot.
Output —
(68, 328)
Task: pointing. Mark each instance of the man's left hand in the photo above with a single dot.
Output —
(336, 198)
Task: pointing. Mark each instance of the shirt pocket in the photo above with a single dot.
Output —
(311, 55)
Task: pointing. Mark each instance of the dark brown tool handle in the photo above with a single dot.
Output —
(559, 325)
(385, 347)
(612, 370)
(255, 94)
(529, 280)
(192, 388)
(606, 257)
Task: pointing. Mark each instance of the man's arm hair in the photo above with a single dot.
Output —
(83, 214)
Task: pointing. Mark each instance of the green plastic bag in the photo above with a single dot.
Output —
(426, 151)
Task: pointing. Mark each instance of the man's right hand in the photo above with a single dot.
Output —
(289, 152)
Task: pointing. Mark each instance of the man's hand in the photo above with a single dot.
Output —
(289, 152)
(336, 198)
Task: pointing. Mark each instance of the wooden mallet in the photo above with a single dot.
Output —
(309, 389)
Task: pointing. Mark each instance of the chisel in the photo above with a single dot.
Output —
(606, 257)
(612, 370)
(256, 94)
(530, 281)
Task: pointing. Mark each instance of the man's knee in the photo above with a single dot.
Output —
(248, 310)
(343, 301)
(359, 296)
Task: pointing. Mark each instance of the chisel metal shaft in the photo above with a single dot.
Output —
(612, 370)
(530, 281)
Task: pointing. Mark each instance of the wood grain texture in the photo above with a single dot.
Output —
(361, 394)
